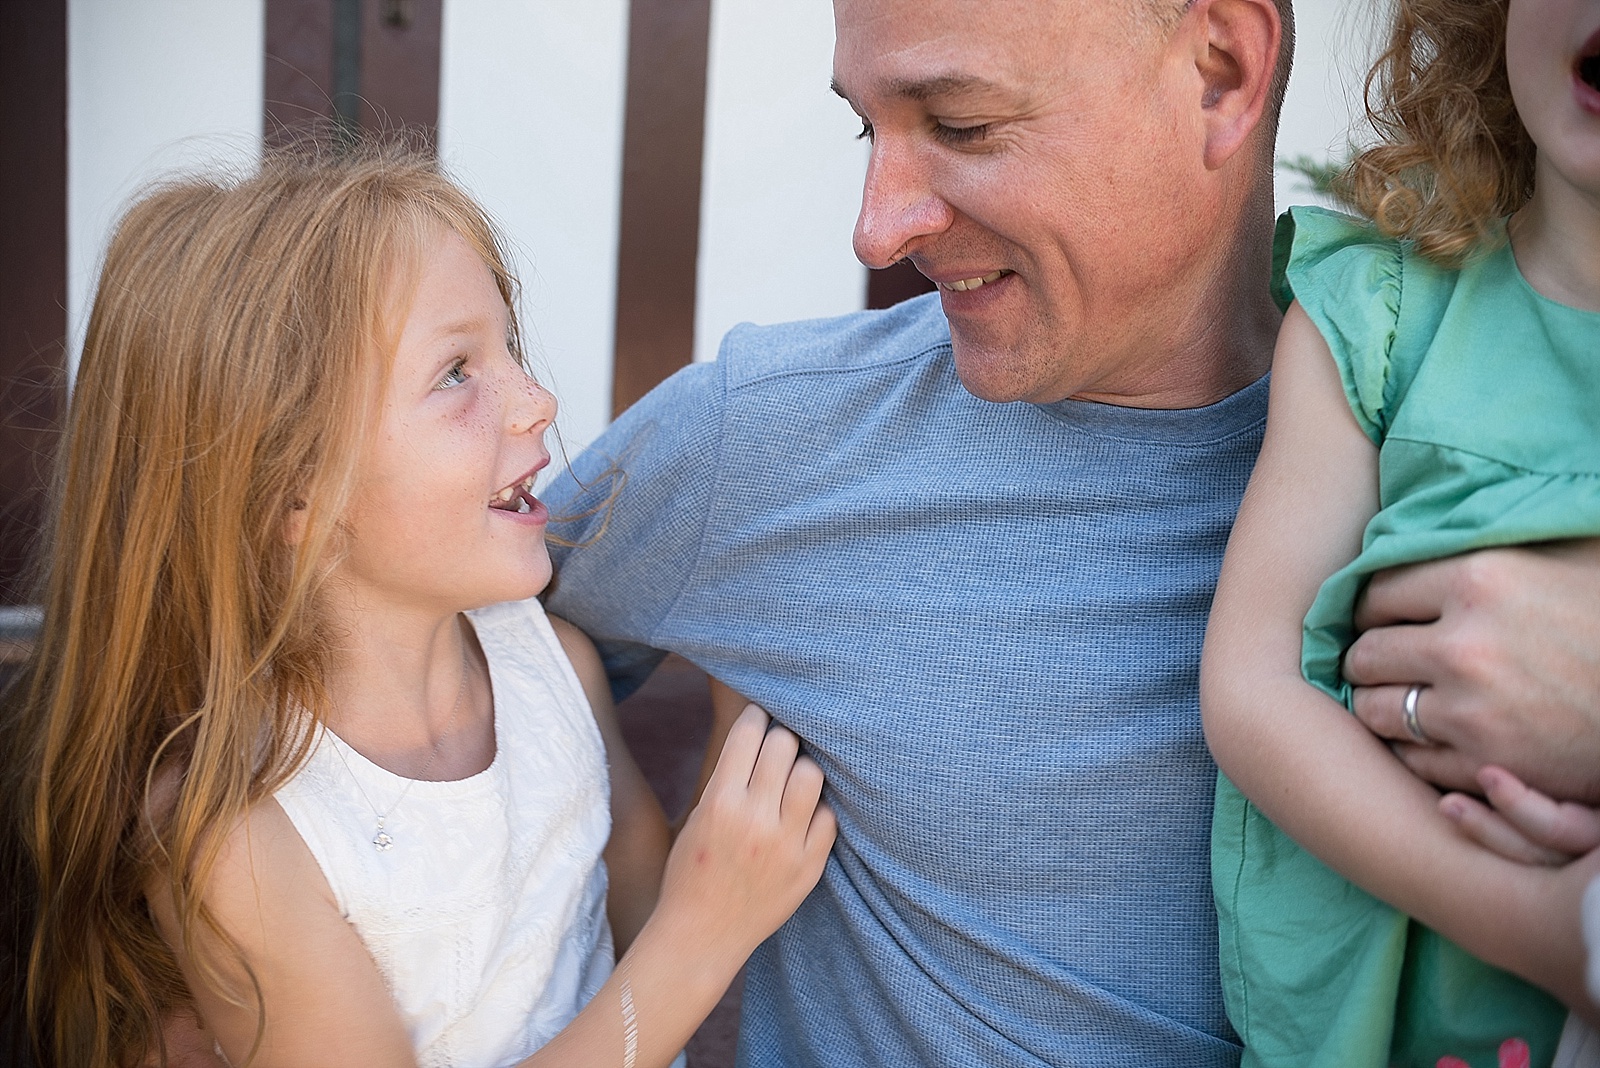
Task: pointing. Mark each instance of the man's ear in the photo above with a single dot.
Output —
(1237, 56)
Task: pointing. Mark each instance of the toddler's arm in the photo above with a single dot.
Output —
(747, 857)
(1314, 769)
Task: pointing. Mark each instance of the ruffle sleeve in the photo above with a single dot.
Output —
(1347, 277)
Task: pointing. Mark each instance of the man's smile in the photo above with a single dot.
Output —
(961, 285)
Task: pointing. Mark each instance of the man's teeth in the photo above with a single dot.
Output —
(971, 283)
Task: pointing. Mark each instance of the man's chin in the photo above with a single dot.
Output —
(999, 374)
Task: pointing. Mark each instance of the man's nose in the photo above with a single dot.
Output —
(898, 206)
(532, 408)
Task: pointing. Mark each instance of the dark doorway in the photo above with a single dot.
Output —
(890, 286)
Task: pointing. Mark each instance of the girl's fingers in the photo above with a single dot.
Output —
(1562, 826)
(1492, 831)
(823, 830)
(801, 793)
(778, 750)
(741, 750)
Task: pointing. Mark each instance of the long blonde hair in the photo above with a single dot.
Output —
(1453, 156)
(238, 339)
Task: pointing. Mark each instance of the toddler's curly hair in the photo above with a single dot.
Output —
(1453, 155)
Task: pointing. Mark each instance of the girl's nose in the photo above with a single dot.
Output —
(532, 408)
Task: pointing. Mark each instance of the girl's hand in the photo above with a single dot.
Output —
(755, 845)
(1523, 825)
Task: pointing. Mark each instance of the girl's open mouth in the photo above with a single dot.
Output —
(517, 497)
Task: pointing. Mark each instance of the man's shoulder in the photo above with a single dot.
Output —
(860, 341)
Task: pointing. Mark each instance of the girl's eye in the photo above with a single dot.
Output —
(960, 135)
(456, 376)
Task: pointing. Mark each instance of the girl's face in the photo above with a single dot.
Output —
(1553, 59)
(443, 516)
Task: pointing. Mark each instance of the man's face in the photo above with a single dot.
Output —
(1041, 163)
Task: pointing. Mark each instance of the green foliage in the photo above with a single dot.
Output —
(1320, 176)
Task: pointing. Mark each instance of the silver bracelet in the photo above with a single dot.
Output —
(630, 1021)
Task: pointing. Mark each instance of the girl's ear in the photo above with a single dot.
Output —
(294, 524)
(1236, 53)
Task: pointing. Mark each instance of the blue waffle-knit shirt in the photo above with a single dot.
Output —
(984, 620)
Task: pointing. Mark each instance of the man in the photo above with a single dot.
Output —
(965, 548)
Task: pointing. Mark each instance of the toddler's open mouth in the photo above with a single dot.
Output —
(1588, 64)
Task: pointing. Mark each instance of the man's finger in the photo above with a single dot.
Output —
(1394, 655)
(1382, 709)
(1414, 594)
(1444, 767)
(1492, 831)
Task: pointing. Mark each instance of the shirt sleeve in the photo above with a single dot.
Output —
(1347, 277)
(628, 516)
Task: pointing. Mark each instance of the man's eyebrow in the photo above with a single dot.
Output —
(929, 88)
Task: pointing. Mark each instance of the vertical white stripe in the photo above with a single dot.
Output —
(1333, 51)
(530, 120)
(152, 86)
(782, 175)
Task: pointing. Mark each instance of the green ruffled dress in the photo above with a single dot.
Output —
(1484, 400)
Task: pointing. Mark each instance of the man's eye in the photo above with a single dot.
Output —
(960, 135)
(866, 131)
(456, 376)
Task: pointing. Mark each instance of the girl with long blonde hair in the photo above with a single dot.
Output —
(298, 751)
(1434, 392)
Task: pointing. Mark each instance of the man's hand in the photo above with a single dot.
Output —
(1506, 643)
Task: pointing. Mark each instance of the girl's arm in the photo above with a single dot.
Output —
(1300, 756)
(748, 855)
(637, 851)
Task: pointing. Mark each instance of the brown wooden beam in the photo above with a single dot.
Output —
(380, 77)
(663, 136)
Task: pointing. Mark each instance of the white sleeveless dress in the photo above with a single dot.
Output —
(486, 915)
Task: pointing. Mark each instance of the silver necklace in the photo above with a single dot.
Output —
(382, 840)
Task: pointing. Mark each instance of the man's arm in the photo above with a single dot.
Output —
(627, 520)
(1506, 643)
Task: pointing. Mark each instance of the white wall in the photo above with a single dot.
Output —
(530, 120)
(1332, 54)
(151, 86)
(781, 178)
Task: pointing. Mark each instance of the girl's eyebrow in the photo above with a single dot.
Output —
(468, 326)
